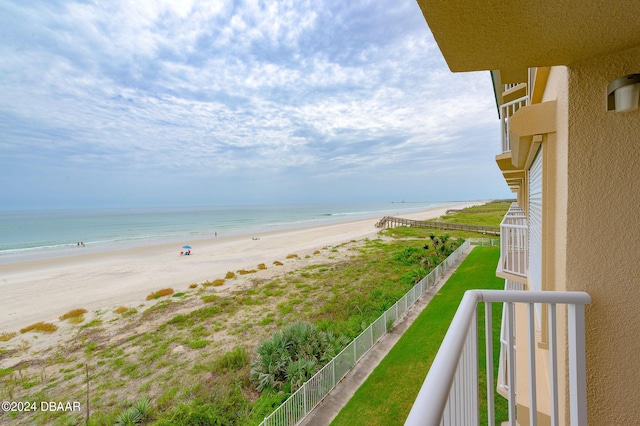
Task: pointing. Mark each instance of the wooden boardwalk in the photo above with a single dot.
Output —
(393, 222)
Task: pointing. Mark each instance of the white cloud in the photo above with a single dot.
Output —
(318, 89)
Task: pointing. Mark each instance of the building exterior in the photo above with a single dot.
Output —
(574, 167)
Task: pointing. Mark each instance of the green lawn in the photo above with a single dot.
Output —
(388, 394)
(490, 214)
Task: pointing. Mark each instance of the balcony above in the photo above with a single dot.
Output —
(507, 110)
(513, 246)
(508, 35)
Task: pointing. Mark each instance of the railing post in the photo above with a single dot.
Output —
(577, 350)
(371, 333)
(511, 363)
(488, 331)
(533, 403)
(355, 352)
(333, 372)
(304, 397)
(553, 366)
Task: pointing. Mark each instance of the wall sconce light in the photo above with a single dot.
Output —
(623, 93)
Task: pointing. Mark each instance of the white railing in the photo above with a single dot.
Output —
(312, 392)
(449, 394)
(484, 241)
(503, 366)
(514, 242)
(506, 111)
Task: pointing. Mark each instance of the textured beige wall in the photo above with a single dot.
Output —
(603, 234)
(554, 226)
(555, 184)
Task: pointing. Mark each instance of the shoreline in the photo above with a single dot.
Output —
(227, 227)
(43, 289)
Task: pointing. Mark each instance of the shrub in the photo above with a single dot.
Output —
(292, 256)
(120, 310)
(73, 314)
(277, 263)
(160, 293)
(262, 266)
(128, 417)
(316, 252)
(230, 275)
(292, 355)
(232, 360)
(409, 256)
(300, 371)
(245, 272)
(193, 285)
(136, 414)
(43, 327)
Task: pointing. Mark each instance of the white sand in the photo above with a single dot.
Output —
(42, 290)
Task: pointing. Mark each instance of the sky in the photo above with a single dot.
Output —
(111, 103)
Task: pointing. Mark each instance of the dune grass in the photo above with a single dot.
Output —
(43, 327)
(160, 293)
(73, 313)
(6, 336)
(388, 394)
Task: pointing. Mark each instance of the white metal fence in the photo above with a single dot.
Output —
(311, 393)
(484, 241)
(449, 394)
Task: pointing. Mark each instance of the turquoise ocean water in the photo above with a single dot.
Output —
(29, 234)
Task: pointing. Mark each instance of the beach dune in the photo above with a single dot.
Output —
(44, 289)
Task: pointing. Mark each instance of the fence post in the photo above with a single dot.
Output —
(333, 372)
(371, 332)
(304, 397)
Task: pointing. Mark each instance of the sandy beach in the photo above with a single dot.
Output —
(43, 290)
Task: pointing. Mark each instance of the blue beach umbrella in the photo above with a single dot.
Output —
(188, 247)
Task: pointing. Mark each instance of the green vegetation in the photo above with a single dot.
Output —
(292, 356)
(490, 214)
(388, 394)
(191, 356)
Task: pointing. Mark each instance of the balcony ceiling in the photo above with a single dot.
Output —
(515, 34)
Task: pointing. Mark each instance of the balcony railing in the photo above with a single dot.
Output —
(449, 394)
(503, 365)
(514, 242)
(506, 111)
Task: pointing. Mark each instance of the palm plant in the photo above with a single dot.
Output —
(293, 355)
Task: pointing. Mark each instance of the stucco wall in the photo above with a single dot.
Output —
(603, 234)
(554, 225)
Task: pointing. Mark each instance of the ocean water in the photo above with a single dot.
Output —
(40, 233)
